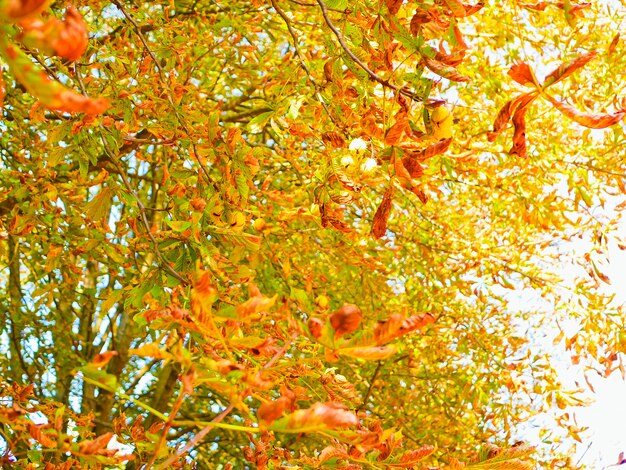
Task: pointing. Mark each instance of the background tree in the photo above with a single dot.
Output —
(294, 228)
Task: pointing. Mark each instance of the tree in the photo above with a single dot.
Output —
(291, 234)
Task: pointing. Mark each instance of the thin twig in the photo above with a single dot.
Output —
(373, 75)
(167, 426)
(197, 438)
(303, 63)
(143, 216)
(280, 352)
(371, 386)
(166, 87)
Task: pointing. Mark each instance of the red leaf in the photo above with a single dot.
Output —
(379, 225)
(321, 415)
(567, 68)
(592, 120)
(346, 320)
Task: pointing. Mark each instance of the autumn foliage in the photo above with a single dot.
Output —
(305, 234)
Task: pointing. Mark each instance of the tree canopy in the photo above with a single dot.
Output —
(305, 233)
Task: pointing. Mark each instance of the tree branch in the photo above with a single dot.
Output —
(373, 75)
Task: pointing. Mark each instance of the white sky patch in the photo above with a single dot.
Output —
(605, 417)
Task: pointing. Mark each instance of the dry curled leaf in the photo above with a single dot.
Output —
(445, 71)
(379, 224)
(591, 120)
(520, 102)
(519, 134)
(334, 139)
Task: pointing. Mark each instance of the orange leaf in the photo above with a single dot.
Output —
(254, 305)
(346, 320)
(17, 9)
(369, 353)
(413, 456)
(397, 326)
(421, 17)
(271, 411)
(67, 39)
(399, 169)
(385, 331)
(394, 6)
(393, 136)
(437, 148)
(413, 166)
(592, 120)
(319, 417)
(523, 74)
(511, 107)
(567, 68)
(97, 446)
(203, 296)
(102, 359)
(379, 225)
(416, 322)
(334, 139)
(331, 452)
(316, 326)
(36, 432)
(2, 91)
(445, 71)
(541, 6)
(456, 7)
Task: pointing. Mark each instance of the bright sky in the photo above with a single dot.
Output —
(606, 417)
